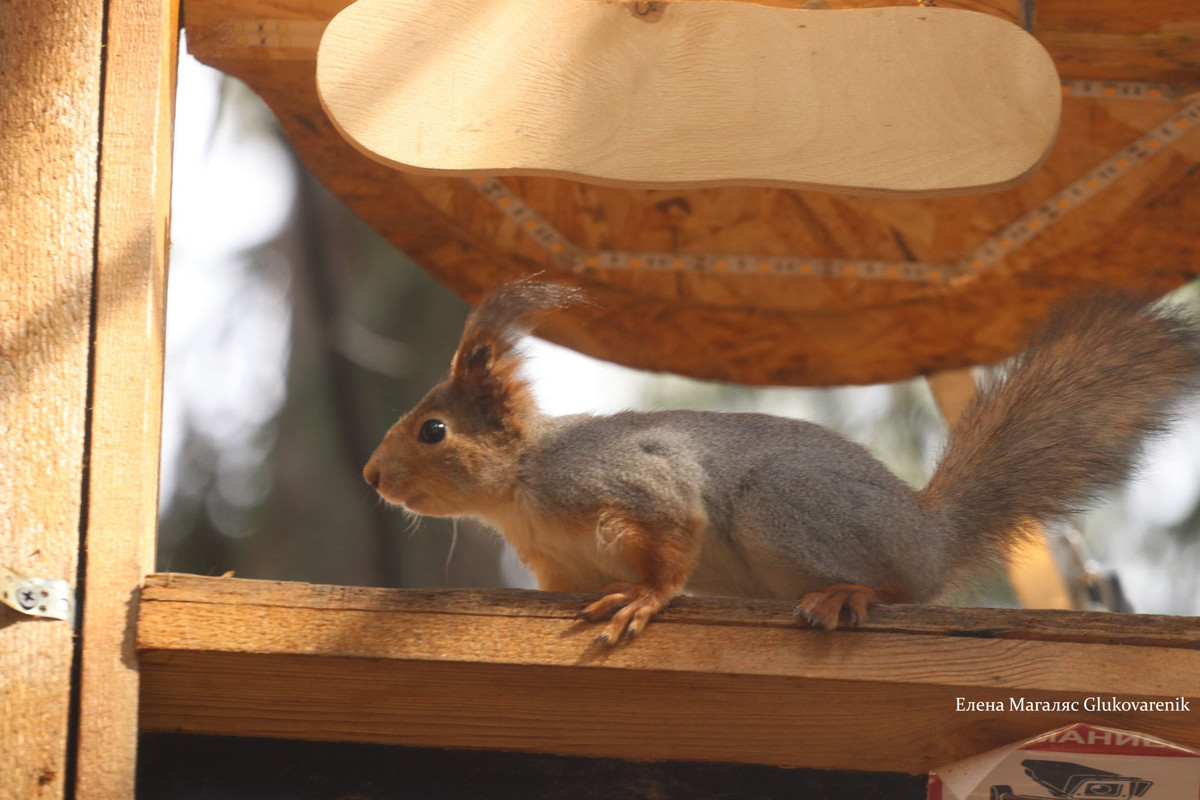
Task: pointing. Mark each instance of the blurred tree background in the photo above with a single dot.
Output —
(322, 337)
(296, 337)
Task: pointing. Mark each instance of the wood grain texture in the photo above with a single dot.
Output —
(768, 330)
(49, 122)
(1142, 630)
(837, 101)
(515, 670)
(1088, 39)
(1113, 40)
(122, 491)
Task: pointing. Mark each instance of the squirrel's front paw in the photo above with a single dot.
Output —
(823, 609)
(636, 602)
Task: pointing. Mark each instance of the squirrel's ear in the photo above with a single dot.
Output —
(476, 376)
(475, 365)
(486, 365)
(502, 317)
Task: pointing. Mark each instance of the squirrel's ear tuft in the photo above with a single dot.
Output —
(485, 363)
(503, 316)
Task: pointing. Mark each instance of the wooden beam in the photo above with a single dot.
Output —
(122, 491)
(1114, 40)
(49, 123)
(515, 670)
(952, 390)
(1035, 575)
(1088, 39)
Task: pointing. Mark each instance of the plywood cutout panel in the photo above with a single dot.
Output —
(693, 94)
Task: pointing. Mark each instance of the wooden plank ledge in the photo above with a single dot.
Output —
(712, 680)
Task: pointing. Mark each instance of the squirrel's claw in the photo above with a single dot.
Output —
(823, 609)
(631, 606)
(616, 596)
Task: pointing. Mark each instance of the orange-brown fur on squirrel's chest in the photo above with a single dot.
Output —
(570, 553)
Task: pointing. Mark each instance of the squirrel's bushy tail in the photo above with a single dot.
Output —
(1067, 423)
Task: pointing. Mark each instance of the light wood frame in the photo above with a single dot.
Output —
(86, 115)
(83, 260)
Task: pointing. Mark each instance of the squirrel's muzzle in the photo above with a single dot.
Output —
(371, 473)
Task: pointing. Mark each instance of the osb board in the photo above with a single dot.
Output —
(769, 329)
(516, 670)
(49, 124)
(1109, 39)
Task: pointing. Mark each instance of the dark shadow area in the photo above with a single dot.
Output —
(190, 767)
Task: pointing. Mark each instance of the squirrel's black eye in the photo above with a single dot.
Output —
(432, 431)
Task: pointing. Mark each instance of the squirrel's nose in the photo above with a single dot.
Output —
(371, 473)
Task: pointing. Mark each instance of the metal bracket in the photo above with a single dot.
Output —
(37, 597)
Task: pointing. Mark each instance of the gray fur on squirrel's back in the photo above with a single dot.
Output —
(787, 503)
(758, 506)
(789, 507)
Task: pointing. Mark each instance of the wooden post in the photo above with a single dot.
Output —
(84, 194)
(122, 492)
(49, 126)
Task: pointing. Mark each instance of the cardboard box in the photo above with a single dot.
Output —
(1080, 761)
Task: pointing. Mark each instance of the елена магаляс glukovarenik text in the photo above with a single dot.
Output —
(1095, 703)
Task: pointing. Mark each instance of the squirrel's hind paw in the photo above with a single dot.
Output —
(634, 605)
(823, 609)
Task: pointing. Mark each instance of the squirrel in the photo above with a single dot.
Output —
(643, 506)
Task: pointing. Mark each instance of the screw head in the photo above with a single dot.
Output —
(27, 598)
